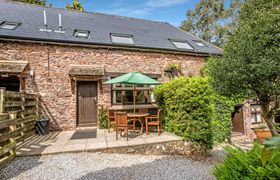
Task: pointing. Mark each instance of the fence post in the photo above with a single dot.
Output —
(2, 99)
(22, 116)
(12, 128)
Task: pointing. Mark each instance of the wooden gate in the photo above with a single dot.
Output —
(87, 103)
(18, 115)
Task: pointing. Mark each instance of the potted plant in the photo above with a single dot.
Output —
(262, 133)
(173, 69)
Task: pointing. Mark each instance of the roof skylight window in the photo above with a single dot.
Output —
(122, 39)
(81, 33)
(200, 43)
(181, 44)
(9, 25)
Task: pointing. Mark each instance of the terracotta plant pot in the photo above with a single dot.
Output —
(263, 134)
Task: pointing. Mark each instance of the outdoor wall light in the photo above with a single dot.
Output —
(31, 73)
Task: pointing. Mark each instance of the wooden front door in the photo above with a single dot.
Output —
(237, 120)
(87, 103)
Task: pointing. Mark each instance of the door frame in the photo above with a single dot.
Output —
(77, 98)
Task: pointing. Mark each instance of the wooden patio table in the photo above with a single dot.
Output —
(140, 117)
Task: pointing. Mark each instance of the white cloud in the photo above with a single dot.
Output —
(141, 10)
(164, 3)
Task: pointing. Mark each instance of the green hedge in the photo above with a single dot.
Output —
(194, 111)
(221, 122)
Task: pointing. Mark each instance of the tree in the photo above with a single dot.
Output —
(76, 5)
(251, 63)
(211, 21)
(38, 2)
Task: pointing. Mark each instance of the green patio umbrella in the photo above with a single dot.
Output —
(133, 78)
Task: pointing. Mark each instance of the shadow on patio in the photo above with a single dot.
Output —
(90, 140)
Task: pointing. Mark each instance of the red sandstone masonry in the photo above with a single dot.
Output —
(54, 84)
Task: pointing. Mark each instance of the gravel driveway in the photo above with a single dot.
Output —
(106, 166)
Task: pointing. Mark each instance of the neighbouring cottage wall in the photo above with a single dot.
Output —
(248, 126)
(247, 120)
(50, 64)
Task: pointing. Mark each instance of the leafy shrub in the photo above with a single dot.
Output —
(221, 122)
(103, 121)
(240, 164)
(194, 110)
(188, 108)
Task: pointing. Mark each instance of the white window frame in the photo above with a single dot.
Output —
(77, 31)
(177, 42)
(130, 37)
(200, 43)
(256, 114)
(146, 89)
(4, 25)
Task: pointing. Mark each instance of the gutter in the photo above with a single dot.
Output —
(105, 46)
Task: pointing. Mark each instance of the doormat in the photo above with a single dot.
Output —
(84, 134)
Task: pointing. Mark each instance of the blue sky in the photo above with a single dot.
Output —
(172, 11)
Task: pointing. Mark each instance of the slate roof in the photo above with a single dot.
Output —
(146, 33)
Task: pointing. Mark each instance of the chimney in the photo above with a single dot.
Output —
(45, 24)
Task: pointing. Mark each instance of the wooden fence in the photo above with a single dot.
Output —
(18, 114)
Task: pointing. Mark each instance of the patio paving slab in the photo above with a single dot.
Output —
(77, 141)
(96, 146)
(120, 143)
(74, 148)
(60, 142)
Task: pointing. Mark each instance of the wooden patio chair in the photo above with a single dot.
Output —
(122, 123)
(154, 121)
(111, 119)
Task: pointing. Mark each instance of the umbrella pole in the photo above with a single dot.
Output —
(134, 99)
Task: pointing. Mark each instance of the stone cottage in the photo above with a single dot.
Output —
(65, 56)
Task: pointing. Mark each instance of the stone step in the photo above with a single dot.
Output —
(241, 140)
(235, 134)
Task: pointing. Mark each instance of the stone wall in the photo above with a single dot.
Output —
(51, 80)
(248, 126)
(180, 147)
(247, 120)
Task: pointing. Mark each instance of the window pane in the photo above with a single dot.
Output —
(259, 118)
(182, 45)
(125, 97)
(253, 118)
(140, 98)
(81, 34)
(152, 97)
(122, 39)
(200, 44)
(9, 25)
(256, 118)
(128, 99)
(118, 97)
